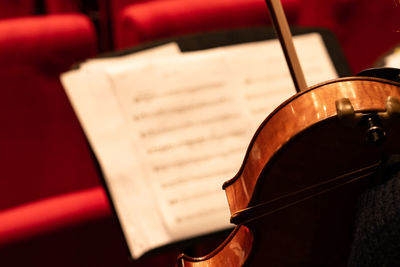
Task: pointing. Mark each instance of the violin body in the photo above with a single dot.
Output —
(294, 199)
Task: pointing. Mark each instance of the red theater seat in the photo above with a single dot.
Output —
(43, 150)
(17, 8)
(371, 31)
(147, 21)
(53, 211)
(48, 215)
(52, 207)
(365, 29)
(62, 6)
(48, 178)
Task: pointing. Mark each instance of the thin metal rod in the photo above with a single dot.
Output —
(285, 37)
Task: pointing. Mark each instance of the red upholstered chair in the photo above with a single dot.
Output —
(98, 11)
(105, 12)
(17, 8)
(63, 6)
(147, 21)
(48, 179)
(366, 29)
(43, 151)
(53, 210)
(373, 30)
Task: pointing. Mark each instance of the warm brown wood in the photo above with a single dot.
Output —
(235, 250)
(299, 147)
(296, 114)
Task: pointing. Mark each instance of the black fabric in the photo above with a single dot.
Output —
(377, 232)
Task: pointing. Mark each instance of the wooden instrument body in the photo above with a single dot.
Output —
(294, 197)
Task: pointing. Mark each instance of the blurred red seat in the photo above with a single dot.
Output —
(48, 179)
(49, 215)
(17, 8)
(49, 182)
(147, 21)
(366, 29)
(53, 210)
(43, 149)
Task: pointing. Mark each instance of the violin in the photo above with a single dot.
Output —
(294, 199)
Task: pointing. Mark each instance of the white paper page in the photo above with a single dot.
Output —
(262, 76)
(393, 60)
(173, 106)
(169, 49)
(89, 90)
(191, 135)
(107, 133)
(180, 128)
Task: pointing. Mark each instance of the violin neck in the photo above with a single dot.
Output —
(285, 37)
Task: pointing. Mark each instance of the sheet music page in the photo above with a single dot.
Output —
(262, 76)
(169, 49)
(393, 60)
(89, 90)
(168, 131)
(193, 117)
(191, 136)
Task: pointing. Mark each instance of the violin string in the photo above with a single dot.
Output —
(240, 216)
(312, 196)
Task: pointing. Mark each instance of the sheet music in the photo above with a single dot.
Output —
(267, 83)
(100, 64)
(90, 92)
(393, 60)
(168, 131)
(192, 136)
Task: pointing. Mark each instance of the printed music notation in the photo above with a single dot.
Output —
(169, 128)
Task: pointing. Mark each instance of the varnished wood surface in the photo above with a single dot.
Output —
(295, 115)
(235, 250)
(303, 143)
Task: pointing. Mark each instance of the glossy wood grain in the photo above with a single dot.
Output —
(233, 252)
(297, 190)
(295, 115)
